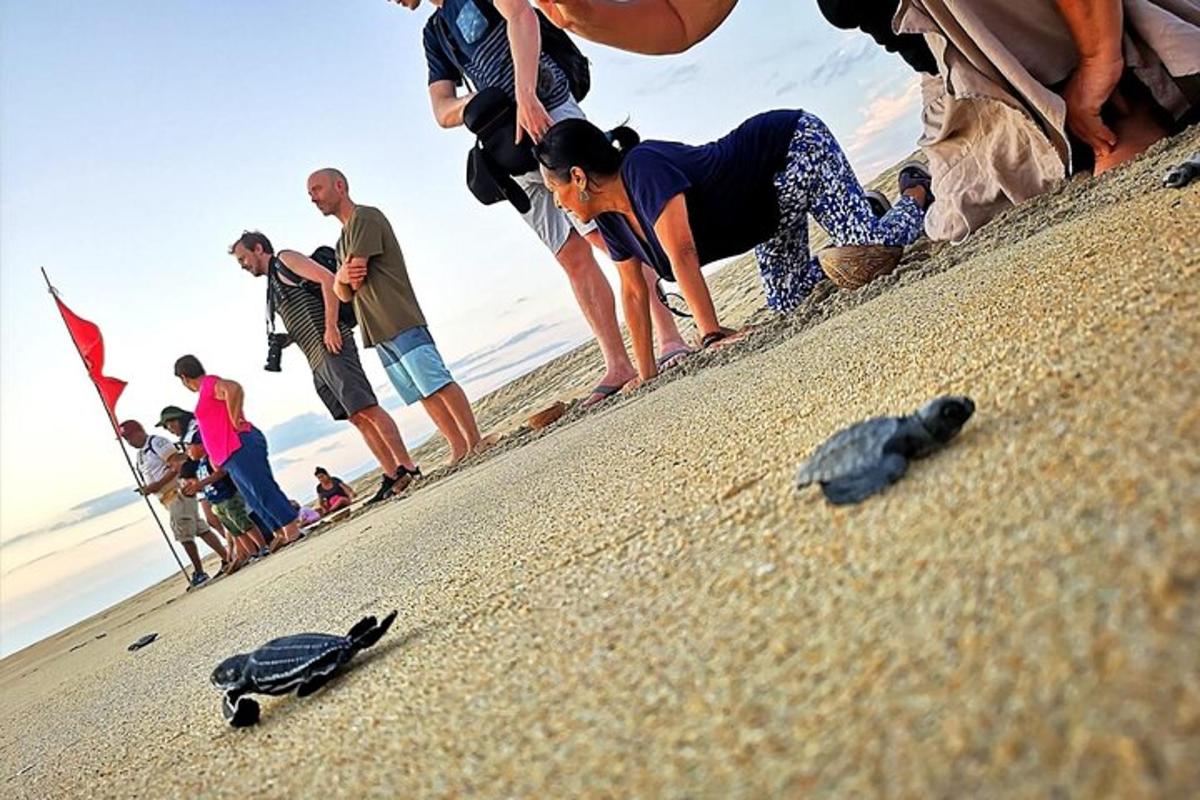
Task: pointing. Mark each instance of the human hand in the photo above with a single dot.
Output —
(1091, 86)
(352, 274)
(142, 490)
(333, 339)
(532, 118)
(191, 486)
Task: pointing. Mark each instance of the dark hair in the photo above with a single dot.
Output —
(579, 143)
(320, 471)
(249, 239)
(189, 367)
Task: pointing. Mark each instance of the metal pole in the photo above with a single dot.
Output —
(121, 445)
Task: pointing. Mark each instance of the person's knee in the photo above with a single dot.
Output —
(575, 257)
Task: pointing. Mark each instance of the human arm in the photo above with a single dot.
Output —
(349, 492)
(635, 302)
(310, 270)
(173, 459)
(674, 233)
(1096, 28)
(232, 393)
(525, 42)
(447, 106)
(653, 27)
(362, 240)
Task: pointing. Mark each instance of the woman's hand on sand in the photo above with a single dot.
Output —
(1093, 84)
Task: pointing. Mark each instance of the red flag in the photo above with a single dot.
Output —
(87, 338)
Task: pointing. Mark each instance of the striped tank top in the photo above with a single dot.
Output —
(302, 310)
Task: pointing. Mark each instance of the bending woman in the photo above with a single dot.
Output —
(236, 446)
(676, 207)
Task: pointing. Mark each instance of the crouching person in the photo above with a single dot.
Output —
(677, 207)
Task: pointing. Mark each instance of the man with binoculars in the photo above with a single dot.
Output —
(301, 291)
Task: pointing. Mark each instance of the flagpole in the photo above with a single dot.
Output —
(111, 421)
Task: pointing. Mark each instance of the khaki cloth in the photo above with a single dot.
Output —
(385, 304)
(994, 129)
(186, 521)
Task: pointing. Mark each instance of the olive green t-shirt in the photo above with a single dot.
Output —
(385, 304)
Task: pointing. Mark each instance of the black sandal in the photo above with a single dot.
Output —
(709, 339)
(405, 478)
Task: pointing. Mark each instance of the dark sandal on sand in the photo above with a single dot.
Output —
(716, 336)
(668, 360)
(600, 393)
(405, 478)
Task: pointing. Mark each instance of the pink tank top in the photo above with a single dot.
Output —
(212, 416)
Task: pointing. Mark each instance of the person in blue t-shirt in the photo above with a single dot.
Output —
(677, 207)
(497, 44)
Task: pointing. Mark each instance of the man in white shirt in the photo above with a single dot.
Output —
(158, 462)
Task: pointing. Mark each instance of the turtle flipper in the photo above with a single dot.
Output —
(859, 486)
(312, 686)
(367, 632)
(240, 711)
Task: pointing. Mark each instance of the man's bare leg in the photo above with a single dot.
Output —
(212, 541)
(388, 434)
(193, 554)
(256, 537)
(438, 410)
(596, 301)
(455, 399)
(375, 443)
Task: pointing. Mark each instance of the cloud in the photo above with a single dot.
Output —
(889, 128)
(670, 79)
(300, 430)
(842, 61)
(118, 498)
(94, 507)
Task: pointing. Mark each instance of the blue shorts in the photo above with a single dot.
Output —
(413, 364)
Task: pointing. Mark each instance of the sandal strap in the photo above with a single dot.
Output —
(712, 338)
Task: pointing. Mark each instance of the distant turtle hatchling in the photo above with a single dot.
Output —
(867, 457)
(304, 662)
(1183, 174)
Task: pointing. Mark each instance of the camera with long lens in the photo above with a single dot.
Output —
(275, 344)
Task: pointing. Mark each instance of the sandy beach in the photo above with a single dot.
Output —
(635, 601)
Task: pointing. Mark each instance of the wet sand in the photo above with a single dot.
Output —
(635, 602)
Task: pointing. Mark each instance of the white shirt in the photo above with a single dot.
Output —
(153, 462)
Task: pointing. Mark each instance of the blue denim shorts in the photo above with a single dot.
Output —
(413, 364)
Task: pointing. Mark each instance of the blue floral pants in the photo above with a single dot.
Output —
(818, 180)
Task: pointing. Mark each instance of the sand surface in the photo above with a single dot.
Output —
(635, 602)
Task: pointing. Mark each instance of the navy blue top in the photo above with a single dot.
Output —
(729, 186)
(471, 36)
(219, 491)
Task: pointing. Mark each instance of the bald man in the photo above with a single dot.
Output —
(374, 276)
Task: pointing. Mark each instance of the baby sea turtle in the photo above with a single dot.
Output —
(1183, 174)
(865, 458)
(304, 662)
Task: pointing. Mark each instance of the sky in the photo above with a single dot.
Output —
(138, 139)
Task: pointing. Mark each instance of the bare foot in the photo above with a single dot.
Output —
(485, 443)
(1135, 133)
